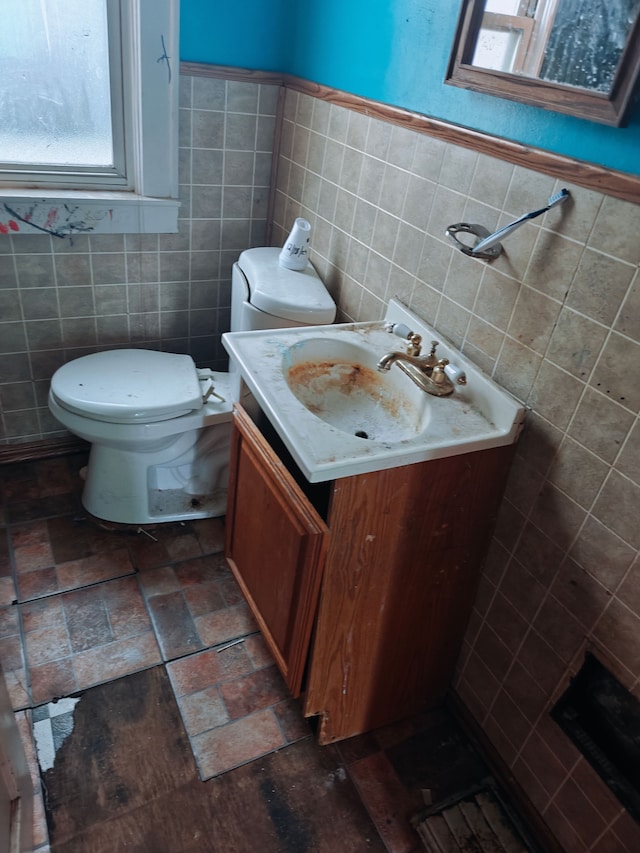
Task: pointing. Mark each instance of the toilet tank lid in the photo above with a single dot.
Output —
(288, 294)
(128, 384)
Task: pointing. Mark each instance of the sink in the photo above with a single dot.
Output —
(339, 416)
(337, 381)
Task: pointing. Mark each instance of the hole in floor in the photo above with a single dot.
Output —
(602, 718)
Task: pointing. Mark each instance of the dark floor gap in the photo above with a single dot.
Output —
(602, 718)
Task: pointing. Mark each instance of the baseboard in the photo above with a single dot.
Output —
(502, 774)
(35, 450)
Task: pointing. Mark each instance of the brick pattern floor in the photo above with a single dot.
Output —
(83, 602)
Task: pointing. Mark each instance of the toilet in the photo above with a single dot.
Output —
(160, 427)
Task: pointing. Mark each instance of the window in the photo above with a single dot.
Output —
(88, 95)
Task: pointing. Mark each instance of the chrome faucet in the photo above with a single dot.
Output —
(429, 373)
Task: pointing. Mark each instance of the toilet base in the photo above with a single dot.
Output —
(186, 480)
(182, 507)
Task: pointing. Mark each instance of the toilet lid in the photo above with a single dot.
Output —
(128, 385)
(291, 295)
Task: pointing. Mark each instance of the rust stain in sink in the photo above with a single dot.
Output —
(346, 378)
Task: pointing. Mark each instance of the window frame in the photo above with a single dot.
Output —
(148, 203)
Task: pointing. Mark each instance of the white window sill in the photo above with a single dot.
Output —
(62, 213)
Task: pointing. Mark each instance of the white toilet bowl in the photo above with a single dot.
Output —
(159, 444)
(158, 453)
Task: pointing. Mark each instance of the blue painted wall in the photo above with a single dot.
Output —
(243, 33)
(394, 51)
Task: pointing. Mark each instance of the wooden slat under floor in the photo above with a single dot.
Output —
(475, 824)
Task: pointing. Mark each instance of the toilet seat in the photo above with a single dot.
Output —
(115, 386)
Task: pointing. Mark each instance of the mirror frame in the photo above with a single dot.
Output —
(594, 106)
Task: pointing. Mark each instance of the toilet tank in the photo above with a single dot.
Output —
(265, 295)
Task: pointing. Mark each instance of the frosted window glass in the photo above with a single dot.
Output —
(55, 99)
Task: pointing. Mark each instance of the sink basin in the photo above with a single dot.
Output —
(339, 416)
(338, 382)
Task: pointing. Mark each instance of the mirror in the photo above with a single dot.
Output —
(580, 57)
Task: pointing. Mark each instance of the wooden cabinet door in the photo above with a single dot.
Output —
(403, 564)
(275, 545)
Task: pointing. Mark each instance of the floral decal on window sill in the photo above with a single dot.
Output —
(56, 221)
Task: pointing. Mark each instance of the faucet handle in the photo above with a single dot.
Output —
(438, 373)
(456, 375)
(432, 359)
(415, 344)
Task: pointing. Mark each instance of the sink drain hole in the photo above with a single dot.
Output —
(360, 433)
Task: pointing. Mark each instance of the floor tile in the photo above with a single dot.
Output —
(52, 680)
(174, 625)
(5, 559)
(114, 660)
(223, 625)
(184, 546)
(125, 606)
(13, 658)
(203, 710)
(83, 637)
(73, 537)
(56, 477)
(247, 694)
(214, 689)
(37, 584)
(257, 650)
(31, 547)
(11, 653)
(87, 621)
(7, 591)
(181, 596)
(17, 685)
(164, 544)
(47, 644)
(75, 574)
(159, 581)
(98, 567)
(42, 613)
(212, 567)
(199, 671)
(236, 743)
(292, 722)
(205, 598)
(19, 481)
(231, 590)
(19, 511)
(210, 533)
(9, 622)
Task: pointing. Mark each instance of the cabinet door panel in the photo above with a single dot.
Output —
(403, 565)
(275, 546)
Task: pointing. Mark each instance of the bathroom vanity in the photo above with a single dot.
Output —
(360, 512)
(362, 585)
